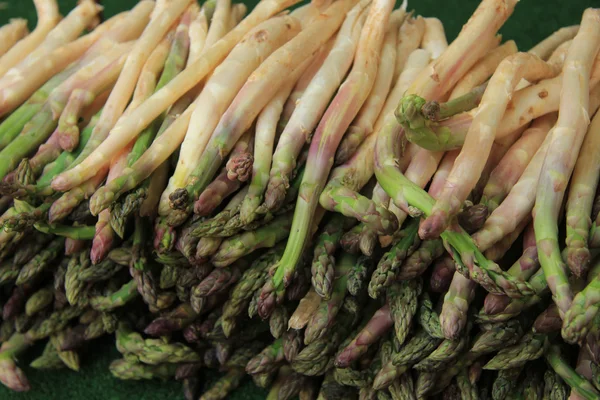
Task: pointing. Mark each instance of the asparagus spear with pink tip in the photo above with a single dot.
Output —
(312, 105)
(336, 120)
(565, 141)
(99, 151)
(519, 202)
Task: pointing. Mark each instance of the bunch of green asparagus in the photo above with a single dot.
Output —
(246, 193)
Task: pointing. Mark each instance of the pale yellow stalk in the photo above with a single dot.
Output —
(219, 24)
(481, 71)
(364, 122)
(434, 38)
(313, 103)
(198, 33)
(66, 31)
(544, 48)
(47, 17)
(415, 63)
(11, 33)
(508, 171)
(520, 200)
(475, 39)
(304, 82)
(35, 75)
(238, 12)
(409, 39)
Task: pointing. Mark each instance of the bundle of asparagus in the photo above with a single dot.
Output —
(246, 193)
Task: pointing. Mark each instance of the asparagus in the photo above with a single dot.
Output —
(40, 262)
(331, 127)
(245, 243)
(388, 266)
(582, 51)
(312, 105)
(39, 301)
(380, 323)
(579, 384)
(327, 243)
(403, 301)
(324, 316)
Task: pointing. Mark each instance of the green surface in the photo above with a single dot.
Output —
(531, 22)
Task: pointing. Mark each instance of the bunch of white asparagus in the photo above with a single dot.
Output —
(179, 162)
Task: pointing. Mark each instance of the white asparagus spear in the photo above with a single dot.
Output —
(481, 71)
(120, 28)
(66, 31)
(565, 142)
(434, 38)
(11, 33)
(124, 87)
(363, 124)
(409, 39)
(266, 128)
(545, 48)
(48, 17)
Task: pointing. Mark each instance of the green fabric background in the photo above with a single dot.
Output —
(531, 22)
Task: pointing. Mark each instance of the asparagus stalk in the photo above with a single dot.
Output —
(579, 202)
(582, 52)
(312, 105)
(483, 69)
(578, 383)
(507, 173)
(362, 126)
(47, 18)
(324, 316)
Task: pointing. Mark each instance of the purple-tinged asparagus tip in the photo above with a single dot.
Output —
(578, 261)
(267, 300)
(160, 327)
(442, 275)
(68, 138)
(240, 167)
(276, 191)
(473, 218)
(73, 246)
(102, 244)
(13, 377)
(495, 304)
(433, 226)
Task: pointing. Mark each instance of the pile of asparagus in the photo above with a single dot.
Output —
(332, 199)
